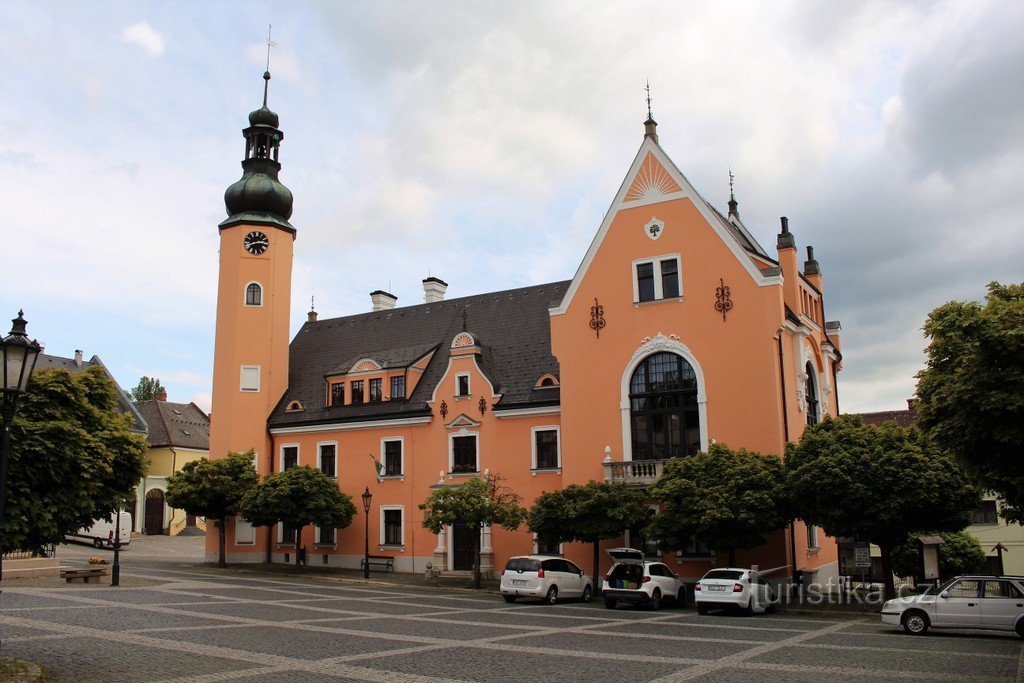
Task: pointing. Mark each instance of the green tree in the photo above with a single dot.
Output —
(147, 389)
(960, 553)
(298, 496)
(971, 392)
(213, 489)
(476, 502)
(589, 513)
(73, 458)
(725, 498)
(877, 484)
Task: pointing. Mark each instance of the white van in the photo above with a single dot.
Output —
(101, 533)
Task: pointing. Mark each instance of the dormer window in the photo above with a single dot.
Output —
(357, 391)
(294, 407)
(462, 385)
(376, 393)
(338, 394)
(397, 387)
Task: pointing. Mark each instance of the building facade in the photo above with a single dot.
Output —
(677, 329)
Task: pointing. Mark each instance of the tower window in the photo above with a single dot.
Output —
(253, 294)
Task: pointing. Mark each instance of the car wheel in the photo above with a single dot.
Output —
(656, 599)
(681, 597)
(702, 609)
(915, 622)
(749, 609)
(610, 603)
(552, 595)
(97, 543)
(509, 598)
(588, 594)
(1020, 628)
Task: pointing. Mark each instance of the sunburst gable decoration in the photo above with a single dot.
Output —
(651, 181)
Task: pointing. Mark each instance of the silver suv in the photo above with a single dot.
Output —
(635, 579)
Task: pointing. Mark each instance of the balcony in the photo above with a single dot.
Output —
(634, 472)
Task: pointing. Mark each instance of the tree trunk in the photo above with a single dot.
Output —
(890, 586)
(221, 542)
(732, 557)
(597, 567)
(476, 558)
(298, 545)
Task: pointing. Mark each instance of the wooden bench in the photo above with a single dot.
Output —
(386, 561)
(84, 574)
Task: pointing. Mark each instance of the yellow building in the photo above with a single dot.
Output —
(990, 528)
(178, 433)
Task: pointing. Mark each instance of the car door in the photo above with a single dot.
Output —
(959, 604)
(1001, 603)
(573, 573)
(664, 579)
(758, 589)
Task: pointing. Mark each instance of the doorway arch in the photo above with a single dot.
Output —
(154, 512)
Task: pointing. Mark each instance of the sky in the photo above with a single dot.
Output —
(483, 142)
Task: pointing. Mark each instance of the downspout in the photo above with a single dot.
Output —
(785, 431)
(174, 468)
(270, 470)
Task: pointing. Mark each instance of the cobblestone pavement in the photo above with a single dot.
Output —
(209, 625)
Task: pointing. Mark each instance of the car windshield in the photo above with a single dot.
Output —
(727, 574)
(522, 564)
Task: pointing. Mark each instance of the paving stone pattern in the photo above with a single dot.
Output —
(200, 625)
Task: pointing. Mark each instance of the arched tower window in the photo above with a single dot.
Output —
(253, 294)
(811, 394)
(664, 416)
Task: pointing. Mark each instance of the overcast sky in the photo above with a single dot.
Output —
(482, 142)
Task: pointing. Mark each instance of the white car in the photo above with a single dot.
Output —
(544, 577)
(635, 579)
(989, 602)
(735, 588)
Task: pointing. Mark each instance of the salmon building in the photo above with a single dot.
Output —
(677, 329)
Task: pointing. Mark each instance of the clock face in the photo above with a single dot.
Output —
(256, 243)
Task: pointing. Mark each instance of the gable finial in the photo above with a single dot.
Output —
(650, 125)
(312, 304)
(648, 89)
(733, 204)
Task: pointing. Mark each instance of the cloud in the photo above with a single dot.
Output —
(145, 36)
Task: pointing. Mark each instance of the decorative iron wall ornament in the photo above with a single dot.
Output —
(444, 410)
(597, 318)
(482, 405)
(724, 303)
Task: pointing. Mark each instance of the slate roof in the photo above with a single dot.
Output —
(904, 418)
(513, 328)
(178, 425)
(45, 360)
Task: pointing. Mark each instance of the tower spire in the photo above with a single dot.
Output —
(650, 125)
(266, 74)
(733, 204)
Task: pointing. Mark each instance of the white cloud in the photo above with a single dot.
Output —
(145, 36)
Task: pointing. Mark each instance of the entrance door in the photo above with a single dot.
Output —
(155, 512)
(190, 520)
(462, 546)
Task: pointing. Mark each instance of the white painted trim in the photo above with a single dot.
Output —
(533, 445)
(318, 539)
(352, 368)
(400, 508)
(241, 378)
(649, 347)
(280, 455)
(319, 445)
(688, 192)
(252, 530)
(527, 412)
(447, 371)
(451, 451)
(659, 291)
(401, 466)
(469, 385)
(245, 294)
(349, 426)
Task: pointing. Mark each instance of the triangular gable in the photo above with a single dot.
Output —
(462, 420)
(651, 161)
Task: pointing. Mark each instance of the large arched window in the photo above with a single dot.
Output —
(811, 395)
(664, 417)
(253, 295)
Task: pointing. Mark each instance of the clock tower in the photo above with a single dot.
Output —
(250, 365)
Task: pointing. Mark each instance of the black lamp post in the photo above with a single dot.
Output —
(19, 360)
(115, 571)
(367, 497)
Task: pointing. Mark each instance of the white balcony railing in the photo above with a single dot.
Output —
(634, 472)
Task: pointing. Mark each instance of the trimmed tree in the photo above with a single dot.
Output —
(213, 489)
(299, 496)
(960, 553)
(727, 499)
(971, 392)
(476, 502)
(73, 458)
(877, 484)
(147, 389)
(589, 513)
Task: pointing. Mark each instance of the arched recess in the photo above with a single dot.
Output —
(649, 347)
(811, 373)
(154, 512)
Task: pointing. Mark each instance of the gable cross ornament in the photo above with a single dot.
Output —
(597, 317)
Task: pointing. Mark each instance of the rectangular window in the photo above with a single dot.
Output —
(546, 547)
(289, 457)
(695, 548)
(357, 391)
(375, 390)
(245, 534)
(985, 513)
(328, 459)
(464, 454)
(287, 535)
(338, 394)
(250, 380)
(392, 526)
(645, 281)
(546, 445)
(393, 458)
(812, 537)
(325, 535)
(397, 387)
(462, 385)
(669, 279)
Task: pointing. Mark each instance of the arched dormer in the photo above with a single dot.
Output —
(365, 365)
(294, 407)
(546, 381)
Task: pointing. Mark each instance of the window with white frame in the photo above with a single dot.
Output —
(463, 454)
(812, 537)
(462, 384)
(391, 456)
(253, 294)
(250, 378)
(325, 535)
(657, 278)
(546, 547)
(245, 533)
(391, 531)
(546, 451)
(327, 459)
(286, 534)
(289, 457)
(693, 547)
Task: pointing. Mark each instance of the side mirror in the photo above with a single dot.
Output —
(944, 594)
(676, 575)
(581, 572)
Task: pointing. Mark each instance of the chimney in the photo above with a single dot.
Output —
(78, 357)
(311, 317)
(911, 404)
(160, 395)
(434, 289)
(382, 301)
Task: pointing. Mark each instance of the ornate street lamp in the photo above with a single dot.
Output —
(19, 360)
(367, 497)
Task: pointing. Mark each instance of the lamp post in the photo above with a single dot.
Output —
(115, 571)
(19, 360)
(367, 497)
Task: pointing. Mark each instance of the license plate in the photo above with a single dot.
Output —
(716, 588)
(516, 582)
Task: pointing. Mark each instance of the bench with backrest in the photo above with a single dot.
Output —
(84, 574)
(385, 561)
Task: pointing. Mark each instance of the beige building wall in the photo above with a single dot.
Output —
(163, 462)
(1010, 534)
